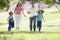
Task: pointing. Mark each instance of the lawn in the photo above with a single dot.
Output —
(3, 18)
(27, 35)
(49, 31)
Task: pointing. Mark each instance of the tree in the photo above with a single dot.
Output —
(4, 3)
(30, 0)
(52, 2)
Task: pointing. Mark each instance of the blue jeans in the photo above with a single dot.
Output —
(39, 24)
(33, 23)
(11, 25)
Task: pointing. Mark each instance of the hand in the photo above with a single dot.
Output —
(29, 12)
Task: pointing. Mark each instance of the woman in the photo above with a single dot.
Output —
(18, 11)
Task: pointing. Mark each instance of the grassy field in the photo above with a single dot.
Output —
(27, 35)
(32, 36)
(49, 31)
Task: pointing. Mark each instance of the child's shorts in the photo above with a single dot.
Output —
(39, 24)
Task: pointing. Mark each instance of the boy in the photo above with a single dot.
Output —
(39, 19)
(11, 21)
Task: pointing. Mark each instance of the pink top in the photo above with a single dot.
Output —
(18, 10)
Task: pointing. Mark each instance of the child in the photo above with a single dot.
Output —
(39, 19)
(11, 21)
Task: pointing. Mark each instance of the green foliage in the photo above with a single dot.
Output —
(30, 0)
(4, 3)
(35, 0)
(49, 1)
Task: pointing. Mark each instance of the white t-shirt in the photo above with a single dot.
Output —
(10, 17)
(33, 11)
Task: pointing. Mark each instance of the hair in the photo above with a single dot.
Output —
(10, 13)
(41, 10)
(18, 4)
(32, 2)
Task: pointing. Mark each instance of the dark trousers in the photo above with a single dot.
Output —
(33, 23)
(11, 25)
(39, 24)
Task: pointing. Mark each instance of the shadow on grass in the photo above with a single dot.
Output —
(28, 32)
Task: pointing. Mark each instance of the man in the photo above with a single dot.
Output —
(33, 14)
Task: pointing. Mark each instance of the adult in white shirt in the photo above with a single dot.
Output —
(33, 14)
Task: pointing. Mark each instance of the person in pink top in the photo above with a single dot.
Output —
(18, 11)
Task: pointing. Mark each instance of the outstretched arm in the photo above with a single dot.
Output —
(23, 14)
(43, 19)
(14, 10)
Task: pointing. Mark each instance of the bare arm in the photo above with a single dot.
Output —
(43, 18)
(14, 10)
(8, 19)
(29, 11)
(23, 14)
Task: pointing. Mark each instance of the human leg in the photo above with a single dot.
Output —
(34, 19)
(40, 25)
(31, 20)
(9, 27)
(18, 18)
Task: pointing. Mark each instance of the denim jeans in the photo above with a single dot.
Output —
(39, 25)
(33, 23)
(11, 25)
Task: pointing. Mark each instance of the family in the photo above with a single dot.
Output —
(35, 17)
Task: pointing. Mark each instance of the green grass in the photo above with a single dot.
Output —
(3, 18)
(3, 23)
(47, 33)
(50, 17)
(33, 36)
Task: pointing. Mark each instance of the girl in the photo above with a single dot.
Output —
(39, 19)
